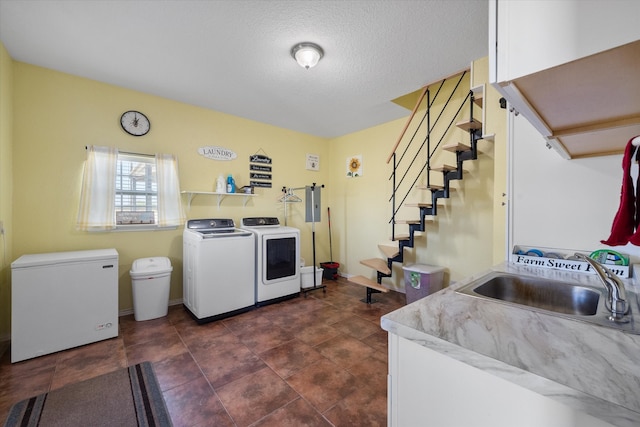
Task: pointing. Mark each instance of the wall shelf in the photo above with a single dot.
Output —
(220, 196)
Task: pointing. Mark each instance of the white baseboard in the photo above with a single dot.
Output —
(129, 311)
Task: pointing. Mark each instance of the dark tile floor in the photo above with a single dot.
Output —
(319, 360)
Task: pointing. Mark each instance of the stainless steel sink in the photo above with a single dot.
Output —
(568, 300)
(543, 294)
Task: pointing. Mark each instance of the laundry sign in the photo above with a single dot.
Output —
(260, 170)
(217, 153)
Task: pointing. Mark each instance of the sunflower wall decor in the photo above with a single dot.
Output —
(354, 166)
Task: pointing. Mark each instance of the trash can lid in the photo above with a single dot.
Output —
(153, 265)
(423, 268)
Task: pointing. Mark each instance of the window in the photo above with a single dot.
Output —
(136, 200)
(125, 190)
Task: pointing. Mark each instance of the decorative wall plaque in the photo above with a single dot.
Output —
(354, 166)
(260, 158)
(260, 170)
(217, 153)
(313, 162)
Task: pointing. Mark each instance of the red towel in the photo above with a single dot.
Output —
(626, 220)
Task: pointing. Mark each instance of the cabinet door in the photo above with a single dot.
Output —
(569, 67)
(527, 36)
(427, 388)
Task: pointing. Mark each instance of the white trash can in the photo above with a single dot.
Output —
(150, 282)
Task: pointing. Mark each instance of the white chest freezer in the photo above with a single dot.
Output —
(62, 300)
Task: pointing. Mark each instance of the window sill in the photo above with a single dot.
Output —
(129, 228)
(143, 227)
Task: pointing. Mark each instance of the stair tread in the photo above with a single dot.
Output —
(441, 202)
(432, 187)
(469, 124)
(412, 221)
(407, 221)
(389, 251)
(458, 146)
(478, 99)
(399, 237)
(444, 168)
(378, 264)
(363, 281)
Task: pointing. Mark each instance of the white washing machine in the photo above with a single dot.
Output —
(277, 255)
(218, 269)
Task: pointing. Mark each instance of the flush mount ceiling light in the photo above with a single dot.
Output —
(307, 54)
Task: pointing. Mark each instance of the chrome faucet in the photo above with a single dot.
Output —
(617, 295)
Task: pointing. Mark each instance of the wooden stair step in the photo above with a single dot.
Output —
(458, 146)
(441, 202)
(389, 251)
(407, 221)
(413, 221)
(363, 281)
(478, 99)
(469, 124)
(398, 237)
(432, 187)
(377, 264)
(444, 168)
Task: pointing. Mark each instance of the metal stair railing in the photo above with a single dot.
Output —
(399, 170)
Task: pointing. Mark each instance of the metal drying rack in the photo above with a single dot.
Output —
(290, 197)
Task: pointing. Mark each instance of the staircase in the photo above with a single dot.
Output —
(429, 131)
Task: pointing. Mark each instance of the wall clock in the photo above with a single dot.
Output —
(135, 123)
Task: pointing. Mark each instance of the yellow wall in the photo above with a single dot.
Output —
(496, 125)
(49, 117)
(57, 115)
(360, 211)
(6, 188)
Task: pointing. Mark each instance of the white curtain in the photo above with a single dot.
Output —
(170, 212)
(97, 200)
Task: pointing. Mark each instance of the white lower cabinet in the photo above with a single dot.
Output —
(428, 388)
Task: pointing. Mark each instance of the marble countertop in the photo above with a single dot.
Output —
(590, 368)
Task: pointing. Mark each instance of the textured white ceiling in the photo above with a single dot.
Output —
(234, 56)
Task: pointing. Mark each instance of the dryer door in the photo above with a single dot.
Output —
(281, 257)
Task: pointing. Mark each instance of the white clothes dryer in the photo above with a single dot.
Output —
(277, 256)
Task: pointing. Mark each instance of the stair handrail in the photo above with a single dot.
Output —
(427, 164)
(415, 109)
(427, 140)
(406, 126)
(429, 129)
(430, 102)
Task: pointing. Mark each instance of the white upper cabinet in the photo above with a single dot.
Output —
(572, 68)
